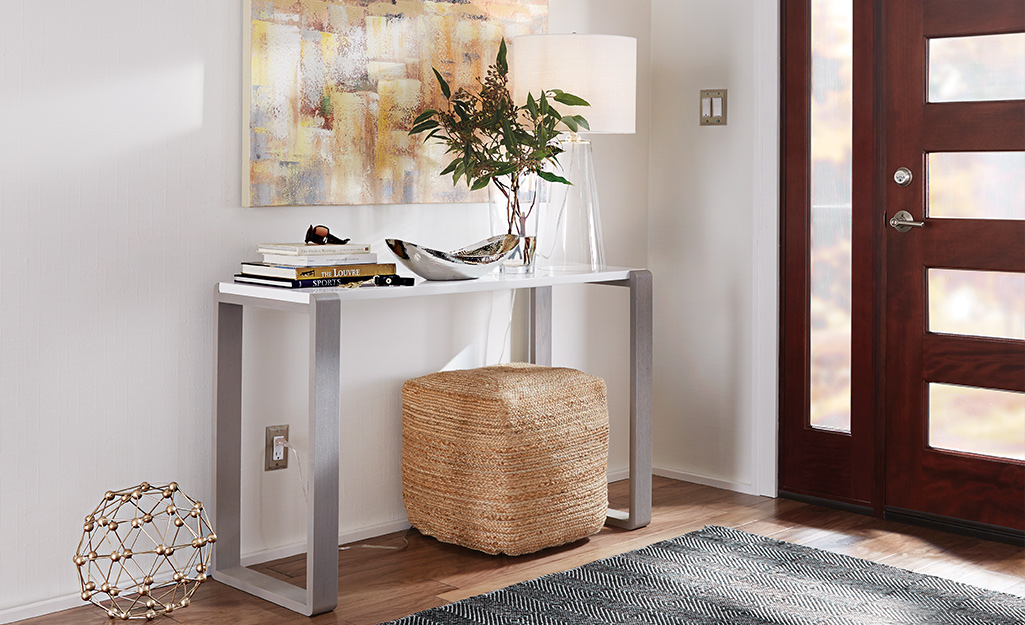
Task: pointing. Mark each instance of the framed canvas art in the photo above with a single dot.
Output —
(331, 87)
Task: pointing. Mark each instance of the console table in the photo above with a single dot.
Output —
(323, 306)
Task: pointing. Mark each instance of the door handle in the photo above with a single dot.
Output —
(902, 222)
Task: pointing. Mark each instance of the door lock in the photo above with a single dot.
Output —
(902, 176)
(902, 221)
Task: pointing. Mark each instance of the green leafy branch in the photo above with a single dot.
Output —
(493, 140)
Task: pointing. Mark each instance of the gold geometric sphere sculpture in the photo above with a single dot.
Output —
(144, 551)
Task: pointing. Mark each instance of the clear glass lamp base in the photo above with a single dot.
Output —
(569, 233)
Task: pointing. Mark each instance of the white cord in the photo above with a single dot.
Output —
(306, 496)
(299, 463)
(508, 327)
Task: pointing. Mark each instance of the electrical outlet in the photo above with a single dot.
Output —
(275, 455)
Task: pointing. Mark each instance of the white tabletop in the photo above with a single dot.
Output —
(493, 282)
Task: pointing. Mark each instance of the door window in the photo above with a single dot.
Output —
(832, 49)
(981, 421)
(990, 67)
(976, 185)
(977, 303)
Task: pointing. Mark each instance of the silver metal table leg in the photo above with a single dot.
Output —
(321, 592)
(540, 347)
(639, 514)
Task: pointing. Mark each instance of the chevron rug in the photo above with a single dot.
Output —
(722, 576)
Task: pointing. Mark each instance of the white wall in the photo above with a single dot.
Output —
(712, 242)
(120, 210)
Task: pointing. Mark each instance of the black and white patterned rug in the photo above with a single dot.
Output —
(722, 576)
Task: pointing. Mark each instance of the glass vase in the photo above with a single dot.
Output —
(515, 206)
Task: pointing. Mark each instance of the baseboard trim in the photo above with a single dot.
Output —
(956, 526)
(344, 538)
(695, 478)
(615, 476)
(39, 608)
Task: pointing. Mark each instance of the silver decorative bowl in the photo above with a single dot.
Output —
(465, 263)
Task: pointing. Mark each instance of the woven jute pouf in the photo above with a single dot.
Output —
(505, 459)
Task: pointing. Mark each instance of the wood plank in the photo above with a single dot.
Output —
(378, 585)
(970, 361)
(973, 126)
(957, 18)
(950, 243)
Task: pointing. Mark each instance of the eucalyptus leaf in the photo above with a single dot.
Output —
(505, 169)
(444, 85)
(508, 137)
(550, 177)
(424, 116)
(570, 100)
(427, 125)
(500, 62)
(580, 121)
(480, 183)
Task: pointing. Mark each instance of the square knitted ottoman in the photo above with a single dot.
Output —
(505, 459)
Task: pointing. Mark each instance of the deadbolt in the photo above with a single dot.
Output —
(902, 176)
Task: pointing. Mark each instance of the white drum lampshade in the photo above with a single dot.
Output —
(601, 69)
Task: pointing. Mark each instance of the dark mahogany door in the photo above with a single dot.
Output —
(954, 120)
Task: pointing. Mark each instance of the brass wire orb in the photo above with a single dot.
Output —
(138, 549)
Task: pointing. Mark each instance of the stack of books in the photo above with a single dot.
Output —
(298, 265)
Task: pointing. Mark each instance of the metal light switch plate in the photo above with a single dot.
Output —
(713, 107)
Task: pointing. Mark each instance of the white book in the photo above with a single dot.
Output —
(319, 259)
(302, 249)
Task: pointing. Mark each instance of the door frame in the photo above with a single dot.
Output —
(765, 266)
(858, 485)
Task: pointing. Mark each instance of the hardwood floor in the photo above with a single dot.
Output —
(378, 585)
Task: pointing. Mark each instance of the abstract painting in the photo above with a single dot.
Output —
(331, 87)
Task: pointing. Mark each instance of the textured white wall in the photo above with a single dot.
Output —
(712, 242)
(120, 210)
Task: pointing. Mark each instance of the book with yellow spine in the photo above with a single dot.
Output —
(287, 272)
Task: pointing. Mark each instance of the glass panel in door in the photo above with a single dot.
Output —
(981, 421)
(976, 185)
(830, 298)
(967, 69)
(977, 303)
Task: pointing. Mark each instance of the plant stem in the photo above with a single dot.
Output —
(514, 206)
(508, 203)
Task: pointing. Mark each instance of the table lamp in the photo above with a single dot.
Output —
(601, 69)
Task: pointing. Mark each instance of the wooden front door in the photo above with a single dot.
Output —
(953, 164)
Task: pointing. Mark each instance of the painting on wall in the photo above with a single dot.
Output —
(331, 87)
